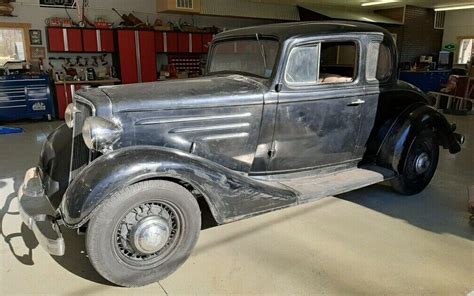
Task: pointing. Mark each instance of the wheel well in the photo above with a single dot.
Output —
(207, 217)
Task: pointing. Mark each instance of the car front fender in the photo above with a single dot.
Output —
(407, 126)
(229, 194)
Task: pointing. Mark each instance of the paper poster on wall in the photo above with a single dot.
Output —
(57, 3)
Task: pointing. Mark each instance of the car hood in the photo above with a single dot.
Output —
(203, 92)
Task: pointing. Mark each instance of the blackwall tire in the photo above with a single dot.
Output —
(415, 176)
(116, 258)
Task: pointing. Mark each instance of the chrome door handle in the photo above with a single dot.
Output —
(356, 102)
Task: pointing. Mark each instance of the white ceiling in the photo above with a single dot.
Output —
(357, 3)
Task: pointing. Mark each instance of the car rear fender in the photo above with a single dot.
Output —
(407, 126)
(230, 195)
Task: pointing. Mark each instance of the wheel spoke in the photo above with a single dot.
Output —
(163, 212)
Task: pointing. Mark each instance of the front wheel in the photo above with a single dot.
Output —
(420, 164)
(143, 233)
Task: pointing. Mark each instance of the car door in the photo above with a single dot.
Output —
(319, 106)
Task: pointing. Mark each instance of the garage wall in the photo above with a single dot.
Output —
(458, 23)
(417, 36)
(29, 11)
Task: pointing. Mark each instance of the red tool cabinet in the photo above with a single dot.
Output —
(174, 42)
(171, 42)
(197, 46)
(74, 40)
(107, 38)
(137, 56)
(206, 41)
(89, 38)
(98, 40)
(183, 42)
(64, 95)
(55, 40)
(80, 40)
(64, 40)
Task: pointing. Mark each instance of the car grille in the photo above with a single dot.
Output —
(81, 155)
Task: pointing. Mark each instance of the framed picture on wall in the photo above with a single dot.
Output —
(38, 53)
(35, 37)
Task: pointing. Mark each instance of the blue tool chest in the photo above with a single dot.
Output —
(25, 97)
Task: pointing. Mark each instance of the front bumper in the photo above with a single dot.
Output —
(33, 207)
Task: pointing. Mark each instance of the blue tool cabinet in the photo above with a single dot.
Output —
(426, 80)
(25, 97)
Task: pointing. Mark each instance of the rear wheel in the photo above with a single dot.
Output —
(143, 233)
(420, 164)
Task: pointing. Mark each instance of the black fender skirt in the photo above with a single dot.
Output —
(230, 195)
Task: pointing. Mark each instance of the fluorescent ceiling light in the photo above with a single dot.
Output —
(454, 7)
(378, 2)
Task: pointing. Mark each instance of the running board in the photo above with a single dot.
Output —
(316, 187)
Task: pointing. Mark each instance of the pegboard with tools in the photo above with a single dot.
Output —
(186, 63)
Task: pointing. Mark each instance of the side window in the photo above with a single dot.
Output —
(338, 62)
(385, 63)
(302, 67)
(322, 63)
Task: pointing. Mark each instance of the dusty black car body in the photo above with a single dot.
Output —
(245, 144)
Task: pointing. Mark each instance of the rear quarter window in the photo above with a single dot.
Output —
(385, 63)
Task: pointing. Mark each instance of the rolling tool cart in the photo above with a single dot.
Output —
(25, 97)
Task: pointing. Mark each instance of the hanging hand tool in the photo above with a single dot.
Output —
(68, 62)
(103, 60)
(78, 61)
(94, 61)
(126, 22)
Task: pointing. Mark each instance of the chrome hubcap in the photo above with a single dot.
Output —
(422, 163)
(150, 235)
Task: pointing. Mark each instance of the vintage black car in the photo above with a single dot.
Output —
(286, 114)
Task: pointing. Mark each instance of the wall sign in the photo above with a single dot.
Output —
(57, 3)
(35, 37)
(451, 47)
(38, 52)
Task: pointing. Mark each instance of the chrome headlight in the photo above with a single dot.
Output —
(69, 115)
(100, 134)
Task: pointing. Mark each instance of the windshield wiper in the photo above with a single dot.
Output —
(262, 52)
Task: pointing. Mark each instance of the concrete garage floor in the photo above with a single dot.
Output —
(368, 242)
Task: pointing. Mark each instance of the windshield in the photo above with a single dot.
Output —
(246, 56)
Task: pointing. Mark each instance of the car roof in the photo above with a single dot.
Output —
(289, 30)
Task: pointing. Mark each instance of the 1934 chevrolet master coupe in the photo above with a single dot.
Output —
(286, 114)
